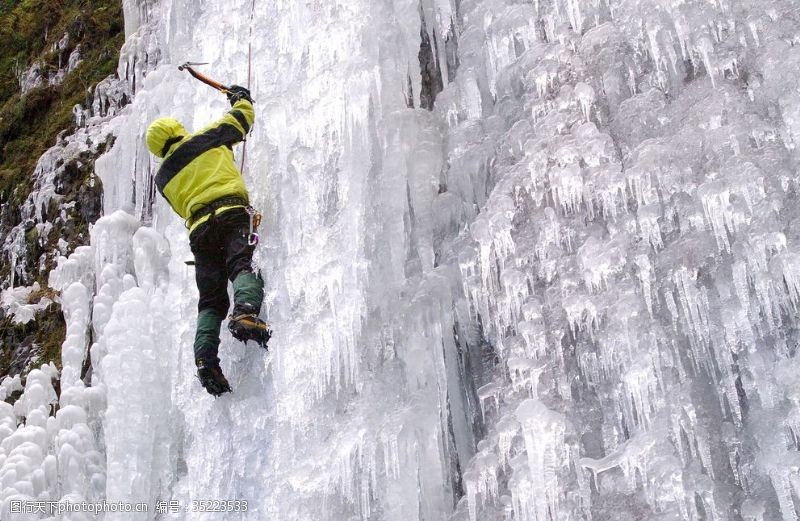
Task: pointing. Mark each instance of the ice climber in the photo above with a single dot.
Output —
(200, 180)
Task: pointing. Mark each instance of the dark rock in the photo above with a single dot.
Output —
(89, 200)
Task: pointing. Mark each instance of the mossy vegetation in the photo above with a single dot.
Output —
(40, 339)
(30, 31)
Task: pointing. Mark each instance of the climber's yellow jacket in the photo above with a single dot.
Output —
(199, 168)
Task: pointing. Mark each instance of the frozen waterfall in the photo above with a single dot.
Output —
(567, 289)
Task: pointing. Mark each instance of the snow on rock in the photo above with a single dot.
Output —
(54, 169)
(32, 78)
(16, 303)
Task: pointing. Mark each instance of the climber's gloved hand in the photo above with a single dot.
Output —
(237, 92)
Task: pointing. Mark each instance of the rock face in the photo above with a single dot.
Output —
(55, 219)
(48, 187)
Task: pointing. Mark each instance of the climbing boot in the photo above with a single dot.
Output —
(212, 379)
(245, 325)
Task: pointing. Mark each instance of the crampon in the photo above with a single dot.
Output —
(247, 326)
(212, 379)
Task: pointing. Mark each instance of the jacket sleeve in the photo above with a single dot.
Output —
(241, 117)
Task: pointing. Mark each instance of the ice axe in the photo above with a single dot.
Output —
(189, 66)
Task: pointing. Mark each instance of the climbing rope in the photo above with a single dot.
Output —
(249, 72)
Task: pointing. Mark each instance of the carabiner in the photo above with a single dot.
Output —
(252, 237)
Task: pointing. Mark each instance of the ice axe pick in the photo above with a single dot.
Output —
(189, 66)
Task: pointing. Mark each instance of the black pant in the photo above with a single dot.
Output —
(220, 253)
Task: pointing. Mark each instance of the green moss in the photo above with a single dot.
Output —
(41, 338)
(50, 334)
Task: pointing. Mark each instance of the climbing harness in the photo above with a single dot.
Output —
(212, 207)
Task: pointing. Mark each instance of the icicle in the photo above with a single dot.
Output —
(543, 430)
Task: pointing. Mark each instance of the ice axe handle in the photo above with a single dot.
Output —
(202, 77)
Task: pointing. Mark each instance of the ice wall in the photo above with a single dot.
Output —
(634, 264)
(569, 291)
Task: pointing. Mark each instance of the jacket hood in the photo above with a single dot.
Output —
(160, 131)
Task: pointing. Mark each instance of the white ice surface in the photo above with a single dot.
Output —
(569, 292)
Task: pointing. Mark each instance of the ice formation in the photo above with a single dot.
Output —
(569, 291)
